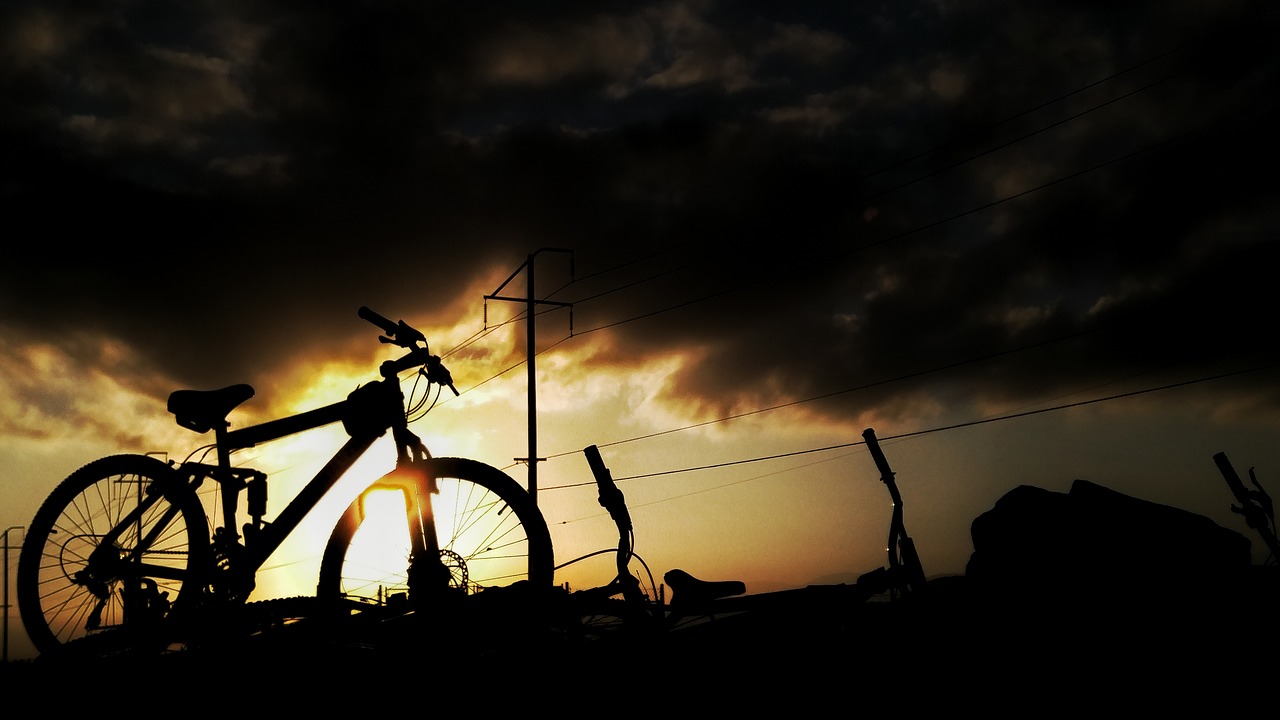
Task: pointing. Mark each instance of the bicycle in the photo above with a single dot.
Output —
(123, 554)
(628, 608)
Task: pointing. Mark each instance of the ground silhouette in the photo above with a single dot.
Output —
(1086, 596)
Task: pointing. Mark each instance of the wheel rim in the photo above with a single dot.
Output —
(489, 533)
(85, 571)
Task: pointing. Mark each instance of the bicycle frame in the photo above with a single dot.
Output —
(263, 539)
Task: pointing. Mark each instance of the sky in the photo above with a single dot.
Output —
(1024, 244)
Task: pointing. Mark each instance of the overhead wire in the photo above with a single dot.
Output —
(903, 234)
(955, 216)
(911, 231)
(955, 426)
(954, 164)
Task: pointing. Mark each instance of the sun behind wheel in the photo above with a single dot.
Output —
(115, 549)
(490, 533)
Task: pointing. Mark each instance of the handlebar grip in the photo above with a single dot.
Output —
(877, 454)
(596, 462)
(387, 326)
(1233, 480)
(611, 497)
(439, 374)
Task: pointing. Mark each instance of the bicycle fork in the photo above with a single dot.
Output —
(428, 574)
(432, 570)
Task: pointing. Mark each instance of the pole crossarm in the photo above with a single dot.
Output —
(536, 302)
(529, 264)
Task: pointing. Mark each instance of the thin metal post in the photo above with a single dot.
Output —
(530, 352)
(6, 587)
(531, 304)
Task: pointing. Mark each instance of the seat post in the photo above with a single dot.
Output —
(227, 484)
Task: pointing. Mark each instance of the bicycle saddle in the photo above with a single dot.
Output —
(201, 410)
(689, 591)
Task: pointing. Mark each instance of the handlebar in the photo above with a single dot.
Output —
(404, 335)
(1233, 479)
(903, 558)
(882, 464)
(397, 333)
(1255, 505)
(373, 317)
(611, 497)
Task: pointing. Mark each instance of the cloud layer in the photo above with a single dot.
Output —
(974, 201)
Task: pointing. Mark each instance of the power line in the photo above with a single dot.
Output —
(773, 274)
(1020, 138)
(907, 233)
(1226, 32)
(926, 226)
(835, 393)
(1203, 41)
(972, 423)
(921, 228)
(1220, 32)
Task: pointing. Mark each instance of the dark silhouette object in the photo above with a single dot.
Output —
(622, 601)
(612, 499)
(1132, 589)
(120, 556)
(1099, 554)
(1255, 505)
(904, 574)
(694, 596)
(619, 608)
(901, 579)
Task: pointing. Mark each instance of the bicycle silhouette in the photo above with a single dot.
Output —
(631, 606)
(128, 553)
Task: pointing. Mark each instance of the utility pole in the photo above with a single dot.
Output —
(530, 351)
(7, 547)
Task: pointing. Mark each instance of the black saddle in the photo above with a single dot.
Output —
(202, 410)
(688, 593)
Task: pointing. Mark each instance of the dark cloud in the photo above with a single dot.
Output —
(825, 199)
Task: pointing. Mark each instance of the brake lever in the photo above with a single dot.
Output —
(408, 335)
(397, 333)
(439, 374)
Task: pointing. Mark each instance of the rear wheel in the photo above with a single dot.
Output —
(490, 535)
(116, 548)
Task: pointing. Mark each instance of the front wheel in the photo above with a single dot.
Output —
(115, 549)
(486, 529)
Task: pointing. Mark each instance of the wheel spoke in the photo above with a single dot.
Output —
(488, 530)
(103, 555)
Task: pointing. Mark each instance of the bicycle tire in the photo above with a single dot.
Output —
(485, 521)
(64, 602)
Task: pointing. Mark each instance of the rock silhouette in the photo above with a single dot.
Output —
(1094, 544)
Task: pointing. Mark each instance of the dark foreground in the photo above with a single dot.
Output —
(950, 647)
